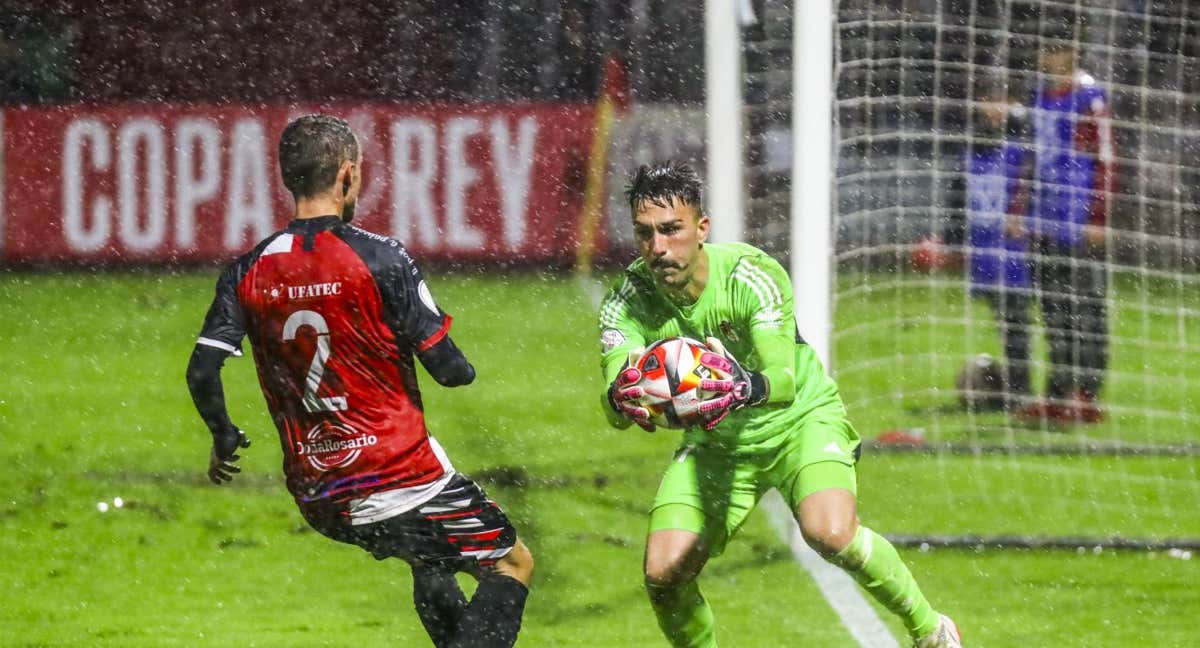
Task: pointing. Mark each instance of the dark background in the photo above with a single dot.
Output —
(907, 75)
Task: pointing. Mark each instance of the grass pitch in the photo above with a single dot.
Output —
(93, 406)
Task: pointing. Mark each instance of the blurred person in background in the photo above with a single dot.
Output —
(994, 194)
(335, 315)
(1074, 177)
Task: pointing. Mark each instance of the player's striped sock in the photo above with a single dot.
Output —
(684, 615)
(876, 565)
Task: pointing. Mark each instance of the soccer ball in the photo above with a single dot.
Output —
(671, 375)
(980, 384)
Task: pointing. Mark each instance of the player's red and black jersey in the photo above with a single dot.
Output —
(334, 314)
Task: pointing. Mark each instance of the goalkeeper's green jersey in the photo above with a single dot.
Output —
(748, 305)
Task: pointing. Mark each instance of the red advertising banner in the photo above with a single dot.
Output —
(153, 183)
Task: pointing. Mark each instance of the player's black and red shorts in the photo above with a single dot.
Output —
(458, 527)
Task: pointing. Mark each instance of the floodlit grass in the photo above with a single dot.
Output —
(93, 406)
(901, 339)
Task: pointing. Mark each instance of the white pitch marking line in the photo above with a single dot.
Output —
(836, 586)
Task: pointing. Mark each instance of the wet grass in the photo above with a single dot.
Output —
(93, 407)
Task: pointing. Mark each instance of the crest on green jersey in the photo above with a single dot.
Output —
(611, 338)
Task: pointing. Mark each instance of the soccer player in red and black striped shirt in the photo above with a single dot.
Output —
(335, 316)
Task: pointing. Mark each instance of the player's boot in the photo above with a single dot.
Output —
(1054, 413)
(1088, 410)
(1038, 412)
(1063, 412)
(946, 635)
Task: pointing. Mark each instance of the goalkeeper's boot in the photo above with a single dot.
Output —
(946, 635)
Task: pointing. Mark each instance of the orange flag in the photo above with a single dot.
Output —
(613, 99)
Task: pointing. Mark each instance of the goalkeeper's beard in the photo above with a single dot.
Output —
(662, 267)
(348, 210)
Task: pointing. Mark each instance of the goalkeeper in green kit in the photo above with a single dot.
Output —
(777, 423)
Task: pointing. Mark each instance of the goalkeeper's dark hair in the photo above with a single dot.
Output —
(664, 184)
(311, 150)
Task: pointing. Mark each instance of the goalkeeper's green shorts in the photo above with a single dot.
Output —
(710, 490)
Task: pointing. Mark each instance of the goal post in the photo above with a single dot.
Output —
(812, 171)
(723, 127)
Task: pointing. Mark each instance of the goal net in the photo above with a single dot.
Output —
(994, 158)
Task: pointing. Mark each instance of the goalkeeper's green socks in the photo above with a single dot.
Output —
(684, 615)
(874, 563)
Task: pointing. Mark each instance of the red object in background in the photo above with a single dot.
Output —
(1080, 409)
(1088, 410)
(160, 183)
(929, 255)
(616, 83)
(901, 437)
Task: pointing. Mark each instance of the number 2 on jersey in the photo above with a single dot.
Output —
(316, 370)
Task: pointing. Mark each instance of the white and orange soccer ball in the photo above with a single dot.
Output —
(671, 375)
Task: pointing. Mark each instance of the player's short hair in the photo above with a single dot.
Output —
(311, 150)
(663, 184)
